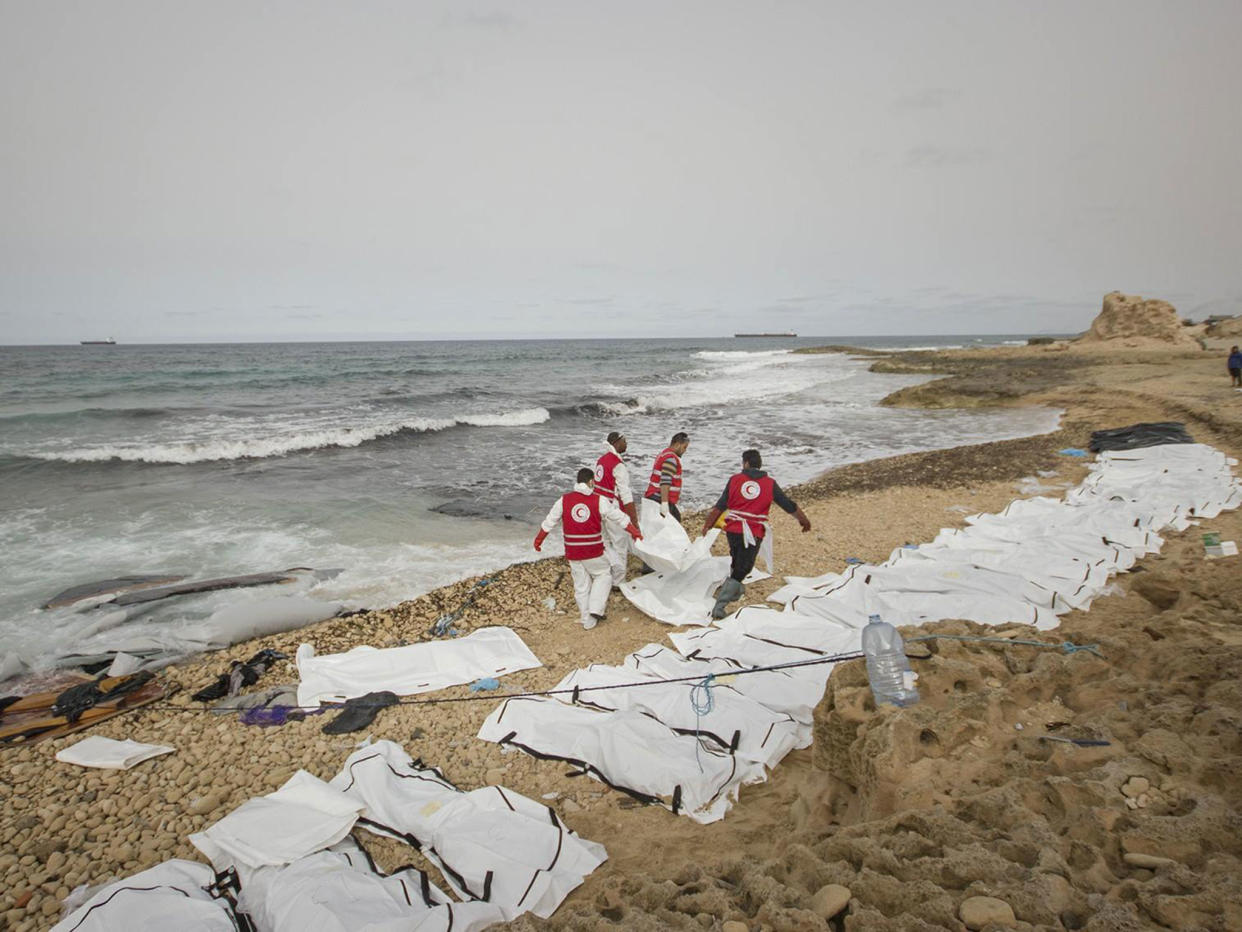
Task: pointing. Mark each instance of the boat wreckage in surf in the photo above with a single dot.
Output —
(144, 618)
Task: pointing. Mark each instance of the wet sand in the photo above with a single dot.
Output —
(913, 811)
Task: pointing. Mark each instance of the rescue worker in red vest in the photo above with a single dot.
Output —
(612, 481)
(584, 514)
(745, 502)
(664, 486)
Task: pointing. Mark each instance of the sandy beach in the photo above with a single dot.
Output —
(913, 811)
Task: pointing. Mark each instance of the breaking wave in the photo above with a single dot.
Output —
(228, 448)
(735, 355)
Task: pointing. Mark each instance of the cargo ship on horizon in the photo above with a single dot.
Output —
(765, 335)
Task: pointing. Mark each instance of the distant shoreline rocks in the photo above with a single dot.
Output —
(1134, 321)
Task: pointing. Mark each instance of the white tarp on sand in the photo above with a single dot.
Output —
(339, 890)
(490, 844)
(666, 547)
(682, 588)
(500, 853)
(1033, 561)
(734, 721)
(171, 895)
(304, 816)
(784, 691)
(110, 754)
(1040, 557)
(629, 751)
(415, 668)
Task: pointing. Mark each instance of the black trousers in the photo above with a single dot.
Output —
(743, 557)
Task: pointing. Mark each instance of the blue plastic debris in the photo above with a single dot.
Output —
(1072, 451)
(487, 682)
(853, 561)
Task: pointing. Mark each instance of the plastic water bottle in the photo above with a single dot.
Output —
(892, 680)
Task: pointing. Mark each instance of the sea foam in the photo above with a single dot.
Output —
(257, 447)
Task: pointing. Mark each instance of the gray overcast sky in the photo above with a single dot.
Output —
(307, 170)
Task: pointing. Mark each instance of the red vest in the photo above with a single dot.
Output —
(653, 487)
(605, 477)
(749, 501)
(582, 526)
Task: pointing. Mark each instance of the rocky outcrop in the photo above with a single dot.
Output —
(1135, 321)
(1231, 327)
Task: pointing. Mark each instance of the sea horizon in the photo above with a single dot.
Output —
(99, 341)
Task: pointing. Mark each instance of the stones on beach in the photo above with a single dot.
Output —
(830, 899)
(201, 805)
(977, 912)
(1147, 861)
(1135, 787)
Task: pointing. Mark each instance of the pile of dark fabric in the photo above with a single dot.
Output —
(239, 676)
(1139, 435)
(359, 712)
(77, 699)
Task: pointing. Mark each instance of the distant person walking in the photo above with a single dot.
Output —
(612, 481)
(745, 501)
(583, 514)
(1235, 366)
(664, 486)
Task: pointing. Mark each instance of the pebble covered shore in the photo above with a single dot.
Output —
(920, 818)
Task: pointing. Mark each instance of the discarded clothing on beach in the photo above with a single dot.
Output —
(240, 675)
(273, 706)
(172, 895)
(110, 754)
(414, 668)
(77, 699)
(304, 816)
(1139, 435)
(359, 712)
(490, 843)
(272, 715)
(284, 694)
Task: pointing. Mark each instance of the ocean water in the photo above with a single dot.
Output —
(403, 465)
